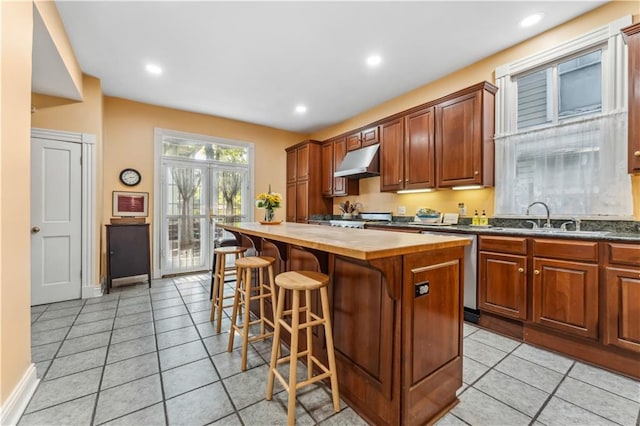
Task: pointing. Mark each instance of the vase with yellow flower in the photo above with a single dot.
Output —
(269, 201)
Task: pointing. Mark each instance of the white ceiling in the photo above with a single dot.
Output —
(255, 61)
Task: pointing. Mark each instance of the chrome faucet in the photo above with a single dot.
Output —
(548, 224)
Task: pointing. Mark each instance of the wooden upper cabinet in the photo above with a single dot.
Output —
(303, 163)
(363, 138)
(292, 165)
(632, 37)
(333, 152)
(407, 152)
(327, 168)
(392, 155)
(419, 159)
(464, 137)
(304, 182)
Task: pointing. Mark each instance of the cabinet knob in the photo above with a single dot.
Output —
(400, 181)
(476, 173)
(535, 271)
(520, 270)
(636, 154)
(406, 180)
(111, 253)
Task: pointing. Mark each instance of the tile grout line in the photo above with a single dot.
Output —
(155, 336)
(552, 394)
(104, 366)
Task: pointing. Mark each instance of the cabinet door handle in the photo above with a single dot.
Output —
(520, 270)
(535, 271)
(636, 154)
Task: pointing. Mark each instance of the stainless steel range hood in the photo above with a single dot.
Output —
(361, 163)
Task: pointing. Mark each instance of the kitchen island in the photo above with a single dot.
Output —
(396, 302)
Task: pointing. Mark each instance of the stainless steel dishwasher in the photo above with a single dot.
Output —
(470, 272)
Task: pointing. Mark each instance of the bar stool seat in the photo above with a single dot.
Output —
(219, 270)
(245, 293)
(302, 281)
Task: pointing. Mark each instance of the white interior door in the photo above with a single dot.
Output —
(55, 221)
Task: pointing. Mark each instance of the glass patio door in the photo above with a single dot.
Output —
(185, 218)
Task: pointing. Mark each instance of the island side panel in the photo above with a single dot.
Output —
(431, 334)
(366, 329)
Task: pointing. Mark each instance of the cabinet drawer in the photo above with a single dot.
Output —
(624, 254)
(513, 245)
(569, 250)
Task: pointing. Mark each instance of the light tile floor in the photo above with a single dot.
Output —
(141, 356)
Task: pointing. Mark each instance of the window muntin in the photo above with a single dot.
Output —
(561, 90)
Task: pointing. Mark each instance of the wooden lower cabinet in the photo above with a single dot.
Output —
(577, 297)
(565, 296)
(622, 296)
(502, 284)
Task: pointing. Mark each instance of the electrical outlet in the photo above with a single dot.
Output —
(402, 210)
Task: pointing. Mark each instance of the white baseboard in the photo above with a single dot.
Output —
(92, 291)
(14, 406)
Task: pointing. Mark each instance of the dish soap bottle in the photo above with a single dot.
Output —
(484, 220)
(475, 221)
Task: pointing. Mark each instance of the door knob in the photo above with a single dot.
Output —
(536, 272)
(35, 230)
(520, 269)
(636, 154)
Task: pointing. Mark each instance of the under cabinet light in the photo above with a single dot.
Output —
(465, 187)
(413, 191)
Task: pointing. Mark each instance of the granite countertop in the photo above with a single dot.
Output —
(599, 235)
(349, 242)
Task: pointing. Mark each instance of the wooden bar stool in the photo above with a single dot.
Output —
(245, 293)
(306, 281)
(220, 268)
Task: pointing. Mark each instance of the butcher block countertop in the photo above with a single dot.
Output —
(365, 244)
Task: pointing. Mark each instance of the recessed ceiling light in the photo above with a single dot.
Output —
(531, 20)
(374, 60)
(154, 69)
(301, 109)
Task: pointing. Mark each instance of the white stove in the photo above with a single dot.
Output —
(362, 219)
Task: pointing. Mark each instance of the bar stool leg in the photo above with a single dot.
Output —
(220, 294)
(247, 317)
(275, 348)
(216, 284)
(261, 285)
(293, 360)
(236, 304)
(330, 350)
(307, 318)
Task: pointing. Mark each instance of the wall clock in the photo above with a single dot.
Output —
(130, 177)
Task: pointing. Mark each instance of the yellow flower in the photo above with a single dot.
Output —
(268, 200)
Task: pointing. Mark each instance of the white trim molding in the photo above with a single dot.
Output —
(15, 405)
(88, 202)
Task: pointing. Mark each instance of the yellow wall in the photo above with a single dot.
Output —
(80, 117)
(129, 142)
(15, 86)
(447, 200)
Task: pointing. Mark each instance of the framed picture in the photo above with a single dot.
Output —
(130, 204)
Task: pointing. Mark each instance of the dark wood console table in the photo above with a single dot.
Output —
(128, 251)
